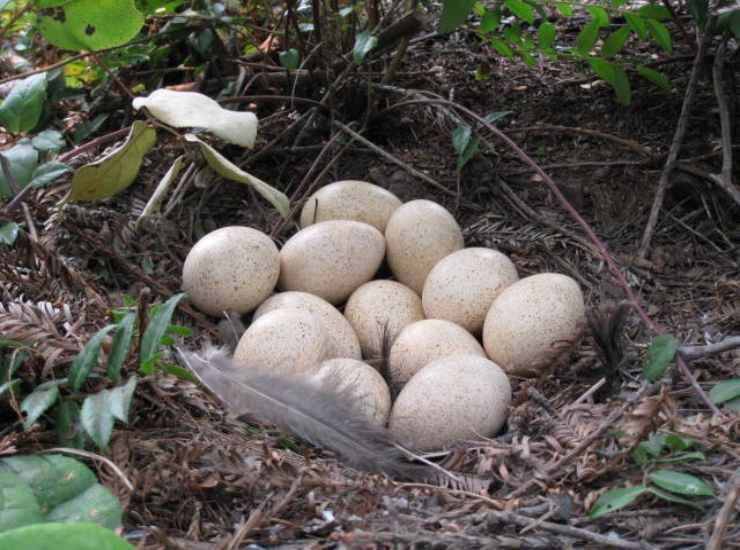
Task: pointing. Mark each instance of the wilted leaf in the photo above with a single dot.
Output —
(678, 482)
(87, 359)
(116, 171)
(364, 43)
(37, 403)
(96, 418)
(614, 499)
(454, 14)
(21, 110)
(63, 536)
(725, 391)
(660, 353)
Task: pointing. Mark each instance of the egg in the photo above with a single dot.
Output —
(418, 235)
(331, 259)
(232, 268)
(350, 200)
(425, 341)
(462, 286)
(534, 322)
(341, 338)
(283, 341)
(378, 311)
(451, 399)
(360, 383)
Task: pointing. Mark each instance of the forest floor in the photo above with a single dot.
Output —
(203, 480)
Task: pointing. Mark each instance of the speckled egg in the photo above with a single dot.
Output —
(425, 341)
(378, 311)
(451, 399)
(533, 322)
(350, 200)
(418, 235)
(462, 286)
(283, 341)
(341, 338)
(232, 268)
(361, 384)
(331, 259)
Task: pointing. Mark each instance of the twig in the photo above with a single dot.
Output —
(724, 178)
(628, 143)
(678, 135)
(691, 353)
(93, 144)
(684, 368)
(723, 517)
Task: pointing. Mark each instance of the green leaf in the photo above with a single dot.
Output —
(23, 159)
(490, 21)
(733, 405)
(546, 34)
(97, 504)
(48, 140)
(637, 24)
(502, 48)
(157, 327)
(48, 173)
(565, 9)
(521, 9)
(615, 499)
(37, 403)
(656, 77)
(654, 444)
(9, 233)
(670, 497)
(364, 43)
(678, 443)
(96, 418)
(18, 505)
(21, 110)
(63, 536)
(603, 69)
(89, 24)
(659, 355)
(120, 399)
(682, 457)
(465, 145)
(67, 424)
(113, 173)
(179, 372)
(599, 15)
(654, 11)
(9, 387)
(587, 38)
(290, 59)
(699, 9)
(616, 41)
(621, 85)
(120, 346)
(725, 391)
(454, 14)
(87, 359)
(678, 482)
(661, 34)
(89, 127)
(226, 169)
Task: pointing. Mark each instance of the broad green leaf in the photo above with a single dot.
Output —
(89, 24)
(226, 169)
(603, 69)
(678, 443)
(23, 159)
(502, 48)
(37, 403)
(120, 399)
(699, 9)
(670, 497)
(18, 505)
(290, 59)
(113, 173)
(67, 424)
(9, 233)
(157, 327)
(48, 140)
(637, 24)
(678, 482)
(614, 499)
(97, 504)
(63, 536)
(656, 77)
(654, 11)
(659, 355)
(565, 9)
(48, 173)
(87, 359)
(513, 34)
(21, 110)
(96, 418)
(364, 43)
(490, 21)
(465, 145)
(682, 457)
(732, 405)
(725, 391)
(654, 444)
(546, 34)
(521, 9)
(587, 38)
(120, 346)
(616, 41)
(621, 85)
(454, 14)
(661, 34)
(527, 57)
(599, 15)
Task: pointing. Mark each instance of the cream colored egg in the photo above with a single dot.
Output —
(451, 399)
(533, 322)
(341, 338)
(361, 384)
(462, 286)
(232, 268)
(425, 341)
(331, 259)
(283, 341)
(418, 235)
(378, 311)
(350, 200)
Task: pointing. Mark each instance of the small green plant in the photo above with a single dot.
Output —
(727, 394)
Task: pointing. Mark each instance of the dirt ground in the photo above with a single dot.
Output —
(205, 481)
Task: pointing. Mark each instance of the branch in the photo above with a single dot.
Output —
(692, 353)
(724, 178)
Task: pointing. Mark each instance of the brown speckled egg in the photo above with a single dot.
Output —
(360, 383)
(232, 268)
(341, 338)
(533, 322)
(331, 259)
(283, 341)
(451, 399)
(378, 311)
(418, 235)
(425, 341)
(350, 200)
(462, 286)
